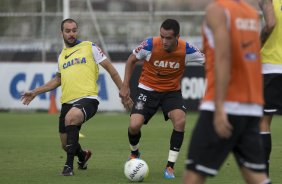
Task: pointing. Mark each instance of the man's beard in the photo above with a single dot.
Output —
(70, 44)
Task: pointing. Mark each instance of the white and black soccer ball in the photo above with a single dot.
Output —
(136, 169)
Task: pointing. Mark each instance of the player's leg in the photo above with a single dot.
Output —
(249, 151)
(63, 138)
(73, 119)
(134, 134)
(62, 129)
(80, 153)
(144, 107)
(205, 153)
(254, 177)
(174, 109)
(273, 104)
(253, 169)
(83, 157)
(67, 171)
(265, 134)
(177, 117)
(80, 112)
(89, 108)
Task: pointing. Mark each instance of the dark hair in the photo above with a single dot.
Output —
(67, 20)
(171, 24)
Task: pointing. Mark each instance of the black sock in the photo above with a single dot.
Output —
(72, 143)
(170, 164)
(134, 140)
(266, 139)
(80, 153)
(176, 141)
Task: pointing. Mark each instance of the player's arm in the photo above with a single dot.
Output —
(124, 91)
(107, 65)
(28, 96)
(100, 58)
(129, 67)
(217, 21)
(269, 18)
(142, 52)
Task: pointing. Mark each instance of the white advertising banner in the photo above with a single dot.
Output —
(16, 78)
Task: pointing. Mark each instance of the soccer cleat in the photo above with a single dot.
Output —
(134, 156)
(169, 173)
(67, 171)
(82, 165)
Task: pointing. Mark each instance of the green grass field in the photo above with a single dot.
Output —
(30, 150)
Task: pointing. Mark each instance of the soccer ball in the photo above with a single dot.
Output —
(136, 169)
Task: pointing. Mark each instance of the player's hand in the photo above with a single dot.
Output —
(127, 103)
(27, 97)
(124, 94)
(222, 126)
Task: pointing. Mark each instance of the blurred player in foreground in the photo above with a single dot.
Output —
(77, 74)
(232, 106)
(165, 58)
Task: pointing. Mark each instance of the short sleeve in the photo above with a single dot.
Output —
(98, 54)
(193, 54)
(144, 50)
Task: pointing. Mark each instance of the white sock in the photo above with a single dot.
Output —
(172, 156)
(134, 148)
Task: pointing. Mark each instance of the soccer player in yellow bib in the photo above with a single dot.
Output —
(271, 53)
(77, 75)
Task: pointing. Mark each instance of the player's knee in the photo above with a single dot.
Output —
(179, 124)
(178, 118)
(134, 128)
(70, 120)
(181, 120)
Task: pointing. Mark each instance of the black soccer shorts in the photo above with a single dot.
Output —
(207, 151)
(148, 102)
(88, 107)
(272, 93)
